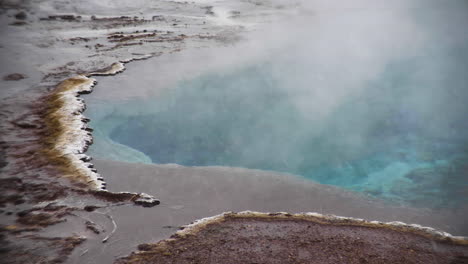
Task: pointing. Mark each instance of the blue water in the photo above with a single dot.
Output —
(380, 112)
(392, 140)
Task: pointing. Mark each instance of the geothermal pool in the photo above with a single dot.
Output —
(393, 126)
(378, 143)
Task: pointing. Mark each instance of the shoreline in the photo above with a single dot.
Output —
(47, 180)
(56, 162)
(68, 135)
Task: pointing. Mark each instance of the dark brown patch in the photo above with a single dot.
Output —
(21, 15)
(290, 240)
(14, 77)
(90, 208)
(39, 219)
(113, 197)
(18, 23)
(91, 226)
(69, 18)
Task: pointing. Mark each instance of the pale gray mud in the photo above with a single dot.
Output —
(189, 193)
(49, 205)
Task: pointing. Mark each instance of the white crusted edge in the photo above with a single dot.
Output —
(73, 142)
(114, 69)
(77, 135)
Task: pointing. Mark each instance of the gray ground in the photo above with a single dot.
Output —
(44, 219)
(190, 193)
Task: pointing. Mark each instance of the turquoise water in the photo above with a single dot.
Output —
(394, 139)
(379, 112)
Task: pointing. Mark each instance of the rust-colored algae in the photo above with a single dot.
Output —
(56, 128)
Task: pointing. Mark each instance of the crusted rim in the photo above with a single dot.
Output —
(68, 134)
(429, 232)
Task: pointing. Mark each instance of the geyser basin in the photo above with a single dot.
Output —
(344, 103)
(377, 141)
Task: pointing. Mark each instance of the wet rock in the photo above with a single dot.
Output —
(114, 197)
(145, 247)
(14, 77)
(86, 159)
(23, 213)
(21, 15)
(92, 226)
(84, 92)
(61, 17)
(68, 17)
(90, 208)
(146, 200)
(80, 39)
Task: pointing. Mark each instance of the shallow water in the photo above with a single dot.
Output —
(390, 123)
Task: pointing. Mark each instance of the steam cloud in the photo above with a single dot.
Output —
(369, 95)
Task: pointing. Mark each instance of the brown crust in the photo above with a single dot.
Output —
(55, 128)
(286, 238)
